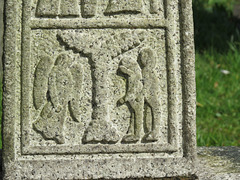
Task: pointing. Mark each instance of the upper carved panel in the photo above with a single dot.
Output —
(53, 8)
(96, 8)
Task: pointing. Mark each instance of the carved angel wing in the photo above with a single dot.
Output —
(60, 81)
(79, 42)
(57, 81)
(77, 74)
(40, 88)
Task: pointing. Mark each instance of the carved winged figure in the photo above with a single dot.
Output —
(60, 80)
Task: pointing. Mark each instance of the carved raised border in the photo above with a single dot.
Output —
(72, 23)
(11, 105)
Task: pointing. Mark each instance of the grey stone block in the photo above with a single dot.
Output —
(218, 163)
(107, 92)
(214, 163)
(1, 37)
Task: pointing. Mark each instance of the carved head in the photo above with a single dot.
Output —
(131, 64)
(148, 58)
(62, 60)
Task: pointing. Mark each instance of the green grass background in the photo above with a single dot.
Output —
(217, 40)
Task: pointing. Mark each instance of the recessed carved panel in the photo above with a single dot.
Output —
(89, 88)
(100, 82)
(79, 9)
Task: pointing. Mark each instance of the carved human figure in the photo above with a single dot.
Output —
(151, 91)
(59, 96)
(134, 97)
(142, 90)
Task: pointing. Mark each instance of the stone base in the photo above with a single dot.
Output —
(218, 163)
(214, 163)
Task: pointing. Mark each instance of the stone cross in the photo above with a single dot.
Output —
(98, 89)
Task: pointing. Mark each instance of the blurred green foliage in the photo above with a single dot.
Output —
(215, 26)
(227, 4)
(217, 41)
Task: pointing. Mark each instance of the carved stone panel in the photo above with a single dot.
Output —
(53, 8)
(84, 91)
(99, 87)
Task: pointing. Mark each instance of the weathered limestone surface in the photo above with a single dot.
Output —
(1, 37)
(99, 89)
(214, 163)
(218, 163)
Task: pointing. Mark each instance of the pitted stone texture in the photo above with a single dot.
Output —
(53, 8)
(99, 89)
(213, 163)
(1, 38)
(217, 163)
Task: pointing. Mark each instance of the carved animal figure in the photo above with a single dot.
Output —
(134, 97)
